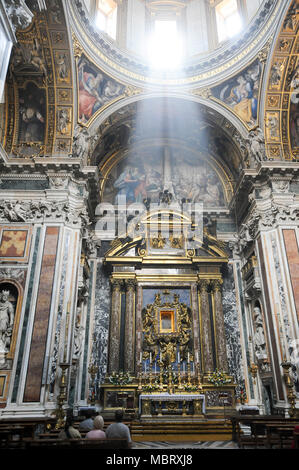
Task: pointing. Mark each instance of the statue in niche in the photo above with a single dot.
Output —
(6, 321)
(78, 337)
(259, 340)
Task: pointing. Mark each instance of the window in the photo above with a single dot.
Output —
(228, 18)
(106, 18)
(165, 47)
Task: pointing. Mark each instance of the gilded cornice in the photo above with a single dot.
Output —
(280, 88)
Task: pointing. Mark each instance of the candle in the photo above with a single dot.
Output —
(188, 358)
(155, 367)
(150, 357)
(197, 356)
(178, 357)
(140, 357)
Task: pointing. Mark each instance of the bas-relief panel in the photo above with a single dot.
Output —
(101, 323)
(232, 328)
(96, 89)
(186, 176)
(241, 93)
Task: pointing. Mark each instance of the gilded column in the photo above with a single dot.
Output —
(220, 339)
(206, 333)
(114, 340)
(129, 325)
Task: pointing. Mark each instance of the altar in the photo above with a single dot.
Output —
(191, 404)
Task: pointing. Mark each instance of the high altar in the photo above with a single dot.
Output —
(167, 349)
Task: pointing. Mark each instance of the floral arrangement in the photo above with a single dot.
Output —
(190, 388)
(218, 378)
(242, 395)
(121, 378)
(150, 387)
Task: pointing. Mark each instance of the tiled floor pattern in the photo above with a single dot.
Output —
(186, 445)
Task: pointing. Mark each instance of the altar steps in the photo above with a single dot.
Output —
(206, 430)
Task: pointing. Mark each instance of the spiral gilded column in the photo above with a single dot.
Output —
(114, 336)
(130, 285)
(206, 332)
(220, 339)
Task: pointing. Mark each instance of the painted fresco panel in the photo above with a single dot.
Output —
(96, 89)
(241, 93)
(188, 177)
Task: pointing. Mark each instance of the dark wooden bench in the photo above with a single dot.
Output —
(266, 431)
(76, 444)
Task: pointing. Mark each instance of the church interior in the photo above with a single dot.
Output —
(149, 220)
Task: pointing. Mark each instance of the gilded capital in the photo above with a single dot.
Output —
(130, 284)
(203, 285)
(216, 285)
(116, 284)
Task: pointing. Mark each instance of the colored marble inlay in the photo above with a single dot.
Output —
(13, 243)
(26, 317)
(2, 384)
(292, 251)
(40, 328)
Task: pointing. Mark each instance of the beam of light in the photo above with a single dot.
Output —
(165, 46)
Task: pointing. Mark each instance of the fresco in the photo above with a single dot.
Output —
(95, 89)
(187, 177)
(32, 113)
(241, 93)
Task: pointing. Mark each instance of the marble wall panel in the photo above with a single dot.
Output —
(292, 251)
(101, 323)
(26, 316)
(40, 328)
(55, 350)
(232, 328)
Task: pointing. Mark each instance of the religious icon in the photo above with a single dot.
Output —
(167, 321)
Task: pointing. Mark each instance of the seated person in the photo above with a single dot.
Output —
(97, 431)
(119, 429)
(87, 424)
(69, 432)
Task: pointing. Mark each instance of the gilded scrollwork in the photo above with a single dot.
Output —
(160, 344)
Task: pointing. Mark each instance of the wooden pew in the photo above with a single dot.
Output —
(76, 444)
(262, 427)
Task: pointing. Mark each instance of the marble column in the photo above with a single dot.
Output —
(206, 333)
(114, 340)
(220, 339)
(130, 285)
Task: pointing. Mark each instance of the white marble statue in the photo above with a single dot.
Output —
(259, 340)
(6, 321)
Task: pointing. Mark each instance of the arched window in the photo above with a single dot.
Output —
(106, 16)
(228, 19)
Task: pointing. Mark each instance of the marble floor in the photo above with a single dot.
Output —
(186, 445)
